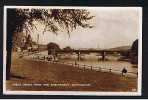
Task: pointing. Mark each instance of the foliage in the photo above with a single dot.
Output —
(53, 19)
(134, 48)
(134, 52)
(68, 48)
(52, 47)
(20, 20)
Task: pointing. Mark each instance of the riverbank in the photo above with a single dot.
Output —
(30, 75)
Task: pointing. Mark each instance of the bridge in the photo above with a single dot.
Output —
(87, 51)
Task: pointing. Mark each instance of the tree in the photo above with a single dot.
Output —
(52, 47)
(68, 48)
(134, 52)
(19, 20)
(28, 42)
(134, 48)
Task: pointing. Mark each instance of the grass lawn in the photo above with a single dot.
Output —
(57, 77)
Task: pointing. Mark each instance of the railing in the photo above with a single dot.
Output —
(85, 67)
(96, 68)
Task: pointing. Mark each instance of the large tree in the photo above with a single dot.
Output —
(134, 52)
(52, 46)
(134, 48)
(19, 20)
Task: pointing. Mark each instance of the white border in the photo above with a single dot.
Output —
(138, 93)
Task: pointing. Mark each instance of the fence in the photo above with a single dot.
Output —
(90, 67)
(85, 67)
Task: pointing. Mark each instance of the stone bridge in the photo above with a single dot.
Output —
(102, 52)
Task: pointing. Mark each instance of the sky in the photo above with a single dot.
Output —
(113, 27)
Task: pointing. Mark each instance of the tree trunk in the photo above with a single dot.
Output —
(8, 65)
(8, 59)
(9, 50)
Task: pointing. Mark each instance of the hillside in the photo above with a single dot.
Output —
(121, 48)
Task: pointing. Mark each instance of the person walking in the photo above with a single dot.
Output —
(124, 71)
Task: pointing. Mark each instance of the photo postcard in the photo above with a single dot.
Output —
(51, 50)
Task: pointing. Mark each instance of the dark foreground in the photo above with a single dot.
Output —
(30, 75)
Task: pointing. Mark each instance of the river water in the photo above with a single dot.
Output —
(93, 60)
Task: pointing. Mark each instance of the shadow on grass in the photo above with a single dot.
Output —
(18, 77)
